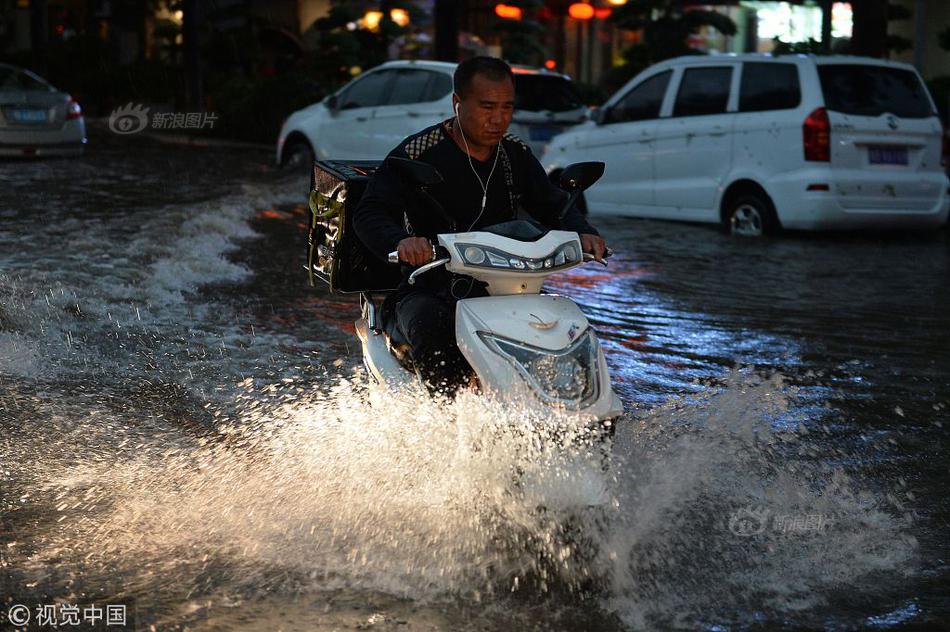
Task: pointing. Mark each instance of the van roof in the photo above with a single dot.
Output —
(690, 60)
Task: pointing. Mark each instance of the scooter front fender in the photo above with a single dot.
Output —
(543, 321)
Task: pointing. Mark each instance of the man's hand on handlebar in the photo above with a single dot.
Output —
(592, 244)
(415, 250)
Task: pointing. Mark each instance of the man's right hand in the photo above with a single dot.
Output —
(415, 250)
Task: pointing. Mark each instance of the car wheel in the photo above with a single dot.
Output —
(298, 155)
(751, 215)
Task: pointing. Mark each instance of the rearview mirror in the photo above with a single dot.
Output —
(581, 175)
(417, 172)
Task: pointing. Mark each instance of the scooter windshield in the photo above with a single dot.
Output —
(519, 229)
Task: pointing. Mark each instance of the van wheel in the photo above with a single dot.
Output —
(751, 215)
(298, 155)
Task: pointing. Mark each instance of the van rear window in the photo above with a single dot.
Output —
(539, 92)
(874, 90)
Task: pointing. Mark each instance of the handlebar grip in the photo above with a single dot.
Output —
(393, 257)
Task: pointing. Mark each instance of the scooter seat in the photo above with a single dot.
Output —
(397, 343)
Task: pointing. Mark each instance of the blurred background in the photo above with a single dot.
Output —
(253, 62)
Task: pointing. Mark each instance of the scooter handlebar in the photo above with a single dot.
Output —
(607, 253)
(437, 251)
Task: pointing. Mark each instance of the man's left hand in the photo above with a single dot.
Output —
(594, 245)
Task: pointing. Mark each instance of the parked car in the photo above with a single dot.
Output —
(760, 143)
(36, 119)
(369, 116)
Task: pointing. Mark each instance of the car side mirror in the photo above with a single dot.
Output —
(419, 173)
(599, 116)
(581, 175)
(332, 102)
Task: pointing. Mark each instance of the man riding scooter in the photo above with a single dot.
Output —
(488, 177)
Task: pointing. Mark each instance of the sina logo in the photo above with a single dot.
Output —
(128, 119)
(748, 521)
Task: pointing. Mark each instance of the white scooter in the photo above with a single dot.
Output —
(520, 343)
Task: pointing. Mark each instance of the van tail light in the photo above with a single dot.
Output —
(73, 111)
(816, 134)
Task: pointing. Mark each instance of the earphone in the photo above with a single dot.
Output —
(484, 184)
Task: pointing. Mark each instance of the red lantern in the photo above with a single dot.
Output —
(580, 11)
(508, 12)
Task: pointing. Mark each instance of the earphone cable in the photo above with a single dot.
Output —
(483, 185)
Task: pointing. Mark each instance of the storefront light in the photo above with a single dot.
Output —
(372, 19)
(580, 11)
(400, 17)
(508, 12)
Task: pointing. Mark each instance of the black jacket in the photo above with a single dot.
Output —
(390, 211)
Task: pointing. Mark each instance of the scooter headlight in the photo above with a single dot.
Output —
(566, 254)
(567, 376)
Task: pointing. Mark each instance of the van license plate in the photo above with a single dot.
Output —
(887, 155)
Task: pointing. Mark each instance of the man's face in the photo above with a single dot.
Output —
(486, 109)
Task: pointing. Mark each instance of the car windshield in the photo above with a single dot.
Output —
(873, 91)
(554, 93)
(14, 80)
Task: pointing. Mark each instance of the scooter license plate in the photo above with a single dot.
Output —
(883, 155)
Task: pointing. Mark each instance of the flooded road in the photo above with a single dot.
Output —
(185, 430)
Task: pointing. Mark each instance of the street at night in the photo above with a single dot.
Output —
(439, 315)
(187, 429)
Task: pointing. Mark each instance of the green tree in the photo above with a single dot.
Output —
(521, 39)
(665, 26)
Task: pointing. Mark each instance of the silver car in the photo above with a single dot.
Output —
(36, 119)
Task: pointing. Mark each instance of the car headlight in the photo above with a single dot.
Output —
(566, 376)
(485, 257)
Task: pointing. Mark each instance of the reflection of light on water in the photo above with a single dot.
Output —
(656, 347)
(341, 489)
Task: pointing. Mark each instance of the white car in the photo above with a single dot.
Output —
(36, 119)
(759, 143)
(372, 114)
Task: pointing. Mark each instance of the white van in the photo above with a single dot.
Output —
(759, 143)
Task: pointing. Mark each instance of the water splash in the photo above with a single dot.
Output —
(338, 488)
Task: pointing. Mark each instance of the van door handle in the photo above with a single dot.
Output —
(717, 134)
(413, 114)
(362, 119)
